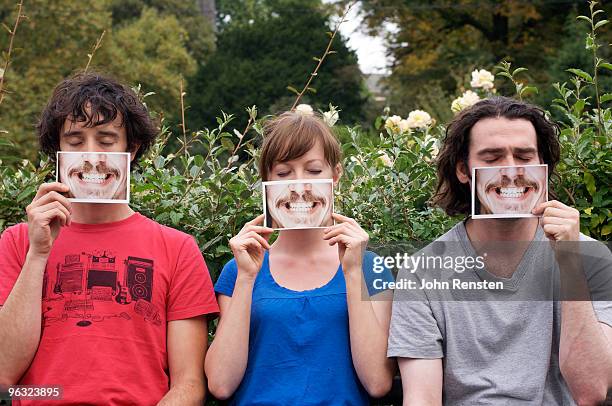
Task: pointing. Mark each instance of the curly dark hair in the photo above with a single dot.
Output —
(452, 195)
(95, 99)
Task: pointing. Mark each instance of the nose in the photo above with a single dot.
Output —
(512, 172)
(94, 159)
(300, 188)
(89, 144)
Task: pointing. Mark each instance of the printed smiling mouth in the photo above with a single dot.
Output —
(94, 177)
(300, 207)
(512, 192)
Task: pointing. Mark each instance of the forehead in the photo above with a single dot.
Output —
(315, 153)
(71, 124)
(500, 132)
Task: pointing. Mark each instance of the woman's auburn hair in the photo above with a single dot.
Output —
(452, 195)
(292, 134)
(95, 99)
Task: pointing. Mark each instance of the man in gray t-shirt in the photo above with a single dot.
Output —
(531, 324)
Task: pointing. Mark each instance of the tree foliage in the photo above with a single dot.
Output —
(435, 42)
(55, 39)
(261, 53)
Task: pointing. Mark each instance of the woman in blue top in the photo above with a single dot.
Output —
(297, 326)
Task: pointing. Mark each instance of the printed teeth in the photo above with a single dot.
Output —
(301, 207)
(511, 192)
(94, 177)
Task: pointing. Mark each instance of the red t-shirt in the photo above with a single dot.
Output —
(108, 292)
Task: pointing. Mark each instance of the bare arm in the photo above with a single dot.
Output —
(187, 342)
(369, 318)
(421, 381)
(20, 317)
(585, 353)
(228, 355)
(369, 321)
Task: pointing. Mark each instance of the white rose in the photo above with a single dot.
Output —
(419, 119)
(392, 123)
(466, 100)
(404, 126)
(434, 147)
(304, 109)
(482, 78)
(331, 117)
(384, 159)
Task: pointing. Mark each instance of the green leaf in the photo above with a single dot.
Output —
(605, 65)
(601, 23)
(518, 70)
(578, 107)
(529, 89)
(585, 18)
(293, 90)
(194, 171)
(605, 97)
(27, 192)
(176, 217)
(506, 74)
(227, 144)
(581, 74)
(199, 160)
(589, 181)
(607, 229)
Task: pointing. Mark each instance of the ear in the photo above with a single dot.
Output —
(463, 172)
(133, 152)
(337, 174)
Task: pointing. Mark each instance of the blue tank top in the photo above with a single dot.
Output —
(299, 346)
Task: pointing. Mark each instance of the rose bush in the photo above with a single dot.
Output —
(206, 183)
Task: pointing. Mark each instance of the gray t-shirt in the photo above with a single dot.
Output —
(499, 346)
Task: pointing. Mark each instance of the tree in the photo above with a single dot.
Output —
(265, 46)
(437, 42)
(55, 40)
(200, 38)
(50, 44)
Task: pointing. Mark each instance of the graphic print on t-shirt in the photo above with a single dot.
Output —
(87, 288)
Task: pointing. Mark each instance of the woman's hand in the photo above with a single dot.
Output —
(249, 246)
(352, 241)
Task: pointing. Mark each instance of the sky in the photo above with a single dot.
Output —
(371, 51)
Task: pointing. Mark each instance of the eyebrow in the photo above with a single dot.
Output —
(72, 133)
(490, 151)
(520, 150)
(105, 133)
(527, 150)
(108, 133)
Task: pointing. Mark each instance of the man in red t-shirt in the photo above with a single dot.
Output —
(97, 299)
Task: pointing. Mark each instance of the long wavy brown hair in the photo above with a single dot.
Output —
(452, 195)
